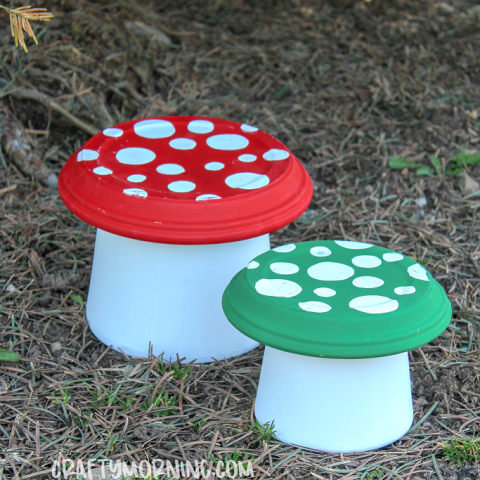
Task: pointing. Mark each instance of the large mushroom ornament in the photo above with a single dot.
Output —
(338, 319)
(180, 205)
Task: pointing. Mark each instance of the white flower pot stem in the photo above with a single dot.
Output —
(335, 405)
(167, 295)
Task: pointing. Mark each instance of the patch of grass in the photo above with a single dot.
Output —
(374, 475)
(64, 397)
(180, 373)
(102, 397)
(162, 400)
(112, 442)
(125, 404)
(453, 166)
(198, 425)
(236, 457)
(462, 451)
(264, 432)
(81, 421)
(77, 299)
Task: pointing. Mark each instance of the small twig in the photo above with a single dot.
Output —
(19, 22)
(102, 355)
(214, 441)
(25, 94)
(37, 443)
(427, 364)
(8, 189)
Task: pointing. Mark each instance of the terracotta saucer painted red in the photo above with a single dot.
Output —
(185, 180)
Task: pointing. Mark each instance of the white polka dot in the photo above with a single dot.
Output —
(200, 126)
(247, 158)
(182, 186)
(135, 156)
(182, 143)
(330, 271)
(247, 180)
(418, 272)
(285, 248)
(315, 307)
(113, 132)
(135, 192)
(366, 261)
(353, 245)
(248, 128)
(86, 155)
(320, 251)
(392, 257)
(207, 196)
(170, 169)
(253, 264)
(405, 290)
(277, 288)
(214, 166)
(374, 304)
(368, 282)
(102, 171)
(276, 154)
(136, 178)
(154, 128)
(324, 292)
(284, 268)
(227, 141)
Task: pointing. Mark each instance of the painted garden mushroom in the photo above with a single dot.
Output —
(338, 319)
(180, 205)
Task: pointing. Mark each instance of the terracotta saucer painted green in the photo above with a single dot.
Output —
(337, 299)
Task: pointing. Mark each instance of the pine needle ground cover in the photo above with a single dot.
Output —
(347, 86)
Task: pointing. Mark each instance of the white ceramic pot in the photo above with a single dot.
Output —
(335, 405)
(167, 295)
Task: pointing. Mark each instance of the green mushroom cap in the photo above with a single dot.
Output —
(337, 299)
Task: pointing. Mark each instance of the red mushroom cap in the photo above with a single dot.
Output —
(185, 180)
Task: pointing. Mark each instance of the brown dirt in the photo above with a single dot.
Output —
(346, 85)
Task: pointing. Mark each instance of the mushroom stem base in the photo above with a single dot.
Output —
(167, 295)
(335, 405)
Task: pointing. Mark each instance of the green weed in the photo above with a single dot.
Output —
(102, 397)
(236, 457)
(462, 451)
(7, 356)
(112, 442)
(180, 373)
(162, 400)
(77, 299)
(63, 396)
(374, 475)
(83, 423)
(198, 425)
(263, 432)
(125, 404)
(453, 165)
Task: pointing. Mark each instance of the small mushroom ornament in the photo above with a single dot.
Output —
(338, 319)
(180, 205)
